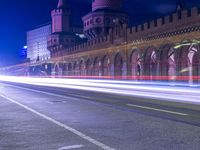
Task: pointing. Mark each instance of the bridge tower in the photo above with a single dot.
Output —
(62, 35)
(105, 14)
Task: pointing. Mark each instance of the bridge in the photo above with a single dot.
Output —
(164, 49)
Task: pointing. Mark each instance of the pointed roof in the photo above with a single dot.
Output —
(106, 4)
(179, 6)
(62, 4)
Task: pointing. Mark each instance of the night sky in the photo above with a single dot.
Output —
(19, 16)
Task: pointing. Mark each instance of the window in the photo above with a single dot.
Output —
(98, 20)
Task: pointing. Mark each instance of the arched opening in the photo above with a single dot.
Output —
(183, 62)
(96, 67)
(136, 62)
(105, 66)
(171, 65)
(153, 65)
(118, 66)
(138, 72)
(89, 67)
(56, 70)
(48, 69)
(150, 63)
(32, 70)
(64, 70)
(193, 56)
(70, 69)
(162, 60)
(76, 69)
(167, 63)
(41, 70)
(195, 67)
(82, 68)
(188, 61)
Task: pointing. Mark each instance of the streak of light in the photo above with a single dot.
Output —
(156, 90)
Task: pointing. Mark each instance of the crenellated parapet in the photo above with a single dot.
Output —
(87, 46)
(177, 23)
(60, 20)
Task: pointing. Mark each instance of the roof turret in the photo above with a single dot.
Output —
(106, 4)
(62, 4)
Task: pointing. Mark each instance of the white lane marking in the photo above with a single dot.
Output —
(71, 147)
(156, 109)
(53, 94)
(79, 96)
(78, 133)
(49, 102)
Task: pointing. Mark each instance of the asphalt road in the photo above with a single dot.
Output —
(46, 118)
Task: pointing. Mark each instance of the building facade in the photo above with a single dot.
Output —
(37, 44)
(167, 48)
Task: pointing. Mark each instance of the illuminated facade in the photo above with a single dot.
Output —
(166, 48)
(37, 44)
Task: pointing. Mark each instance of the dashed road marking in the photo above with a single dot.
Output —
(80, 96)
(49, 102)
(156, 109)
(71, 147)
(78, 133)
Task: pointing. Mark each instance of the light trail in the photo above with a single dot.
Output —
(157, 90)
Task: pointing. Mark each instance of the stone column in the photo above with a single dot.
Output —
(100, 69)
(190, 73)
(112, 70)
(124, 71)
(158, 71)
(142, 72)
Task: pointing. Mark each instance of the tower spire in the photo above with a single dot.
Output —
(179, 6)
(62, 4)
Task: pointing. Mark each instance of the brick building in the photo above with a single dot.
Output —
(165, 48)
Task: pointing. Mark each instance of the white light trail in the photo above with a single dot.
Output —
(155, 90)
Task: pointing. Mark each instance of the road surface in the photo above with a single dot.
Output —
(36, 117)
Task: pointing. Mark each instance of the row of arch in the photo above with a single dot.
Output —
(91, 67)
(167, 62)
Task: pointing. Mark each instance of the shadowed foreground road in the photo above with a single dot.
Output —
(45, 118)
